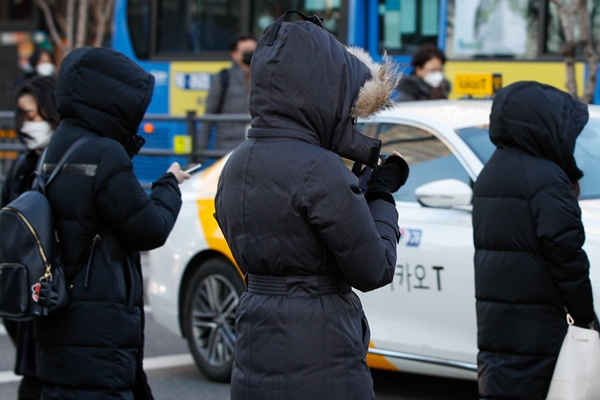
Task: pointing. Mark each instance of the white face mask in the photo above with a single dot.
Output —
(39, 132)
(45, 69)
(434, 79)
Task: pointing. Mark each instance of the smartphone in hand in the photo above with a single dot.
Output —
(191, 168)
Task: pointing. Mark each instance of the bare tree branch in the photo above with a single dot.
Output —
(70, 23)
(51, 25)
(82, 19)
(104, 11)
(59, 18)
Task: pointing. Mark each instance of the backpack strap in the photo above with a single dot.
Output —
(41, 183)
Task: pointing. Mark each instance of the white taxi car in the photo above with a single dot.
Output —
(424, 321)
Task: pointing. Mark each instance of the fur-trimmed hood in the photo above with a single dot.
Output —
(307, 85)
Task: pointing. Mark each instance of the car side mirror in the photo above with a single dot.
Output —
(446, 193)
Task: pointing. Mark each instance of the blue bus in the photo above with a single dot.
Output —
(183, 42)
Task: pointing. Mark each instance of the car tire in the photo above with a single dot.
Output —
(209, 316)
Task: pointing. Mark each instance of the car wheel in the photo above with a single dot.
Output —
(209, 316)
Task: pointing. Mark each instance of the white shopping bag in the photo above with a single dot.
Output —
(577, 372)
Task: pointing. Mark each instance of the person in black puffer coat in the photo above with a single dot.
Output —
(529, 261)
(93, 349)
(297, 222)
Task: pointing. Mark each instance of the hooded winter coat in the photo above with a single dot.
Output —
(298, 224)
(94, 348)
(529, 261)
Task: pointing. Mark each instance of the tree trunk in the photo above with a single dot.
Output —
(572, 16)
(82, 19)
(591, 56)
(103, 12)
(70, 24)
(568, 20)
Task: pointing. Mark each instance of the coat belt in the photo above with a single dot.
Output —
(295, 285)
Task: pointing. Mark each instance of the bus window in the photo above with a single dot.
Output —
(194, 26)
(406, 24)
(267, 11)
(138, 19)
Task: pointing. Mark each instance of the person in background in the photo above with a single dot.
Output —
(41, 63)
(36, 119)
(427, 80)
(229, 95)
(529, 262)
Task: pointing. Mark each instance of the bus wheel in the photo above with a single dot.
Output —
(209, 316)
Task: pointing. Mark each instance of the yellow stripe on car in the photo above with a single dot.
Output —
(206, 210)
(378, 361)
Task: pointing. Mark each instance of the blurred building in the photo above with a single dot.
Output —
(19, 19)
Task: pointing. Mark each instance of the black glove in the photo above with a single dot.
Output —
(47, 298)
(52, 295)
(387, 179)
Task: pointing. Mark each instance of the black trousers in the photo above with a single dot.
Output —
(30, 388)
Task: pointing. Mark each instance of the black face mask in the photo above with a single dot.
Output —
(247, 57)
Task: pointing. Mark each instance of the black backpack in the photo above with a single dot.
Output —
(29, 252)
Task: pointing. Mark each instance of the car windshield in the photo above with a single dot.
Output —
(587, 153)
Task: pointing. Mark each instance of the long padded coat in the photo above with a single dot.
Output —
(529, 263)
(289, 207)
(94, 348)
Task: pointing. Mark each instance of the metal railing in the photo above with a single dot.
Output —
(8, 145)
(191, 120)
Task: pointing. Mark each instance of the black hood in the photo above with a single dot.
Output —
(305, 85)
(541, 120)
(106, 92)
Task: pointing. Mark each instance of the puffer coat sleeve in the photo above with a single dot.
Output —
(361, 237)
(140, 222)
(561, 235)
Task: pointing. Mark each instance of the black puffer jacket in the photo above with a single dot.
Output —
(290, 208)
(529, 262)
(94, 348)
(412, 88)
